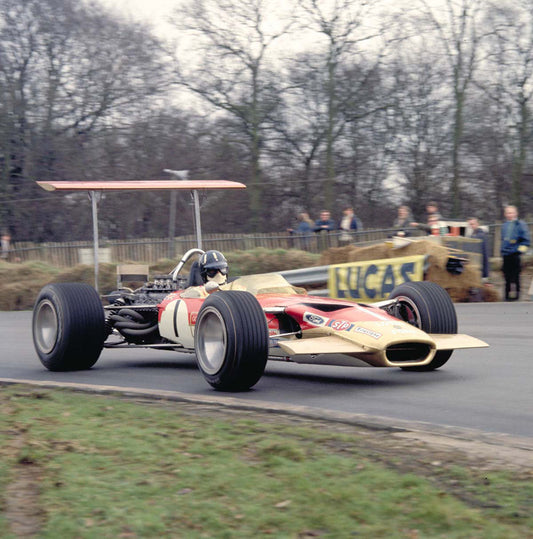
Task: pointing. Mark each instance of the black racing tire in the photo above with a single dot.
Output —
(427, 306)
(68, 326)
(231, 340)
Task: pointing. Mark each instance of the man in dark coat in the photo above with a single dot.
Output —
(515, 242)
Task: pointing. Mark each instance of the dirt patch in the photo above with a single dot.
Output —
(22, 508)
(23, 512)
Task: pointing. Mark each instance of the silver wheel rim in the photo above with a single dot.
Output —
(46, 326)
(410, 304)
(211, 344)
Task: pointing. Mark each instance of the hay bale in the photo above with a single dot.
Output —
(351, 253)
(337, 255)
(458, 286)
(490, 293)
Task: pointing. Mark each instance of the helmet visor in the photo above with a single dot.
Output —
(213, 271)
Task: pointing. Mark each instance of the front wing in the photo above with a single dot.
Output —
(337, 350)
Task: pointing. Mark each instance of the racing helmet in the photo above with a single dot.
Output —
(213, 267)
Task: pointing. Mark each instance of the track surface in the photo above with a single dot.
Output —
(484, 389)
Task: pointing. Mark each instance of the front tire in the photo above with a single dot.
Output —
(231, 340)
(427, 306)
(68, 326)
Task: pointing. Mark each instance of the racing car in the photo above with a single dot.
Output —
(235, 329)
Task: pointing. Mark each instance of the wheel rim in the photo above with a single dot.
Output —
(211, 344)
(46, 326)
(409, 312)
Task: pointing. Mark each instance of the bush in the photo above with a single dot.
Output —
(20, 283)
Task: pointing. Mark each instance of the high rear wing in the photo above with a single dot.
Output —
(94, 188)
(135, 185)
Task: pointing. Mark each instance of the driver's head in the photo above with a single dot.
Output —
(214, 267)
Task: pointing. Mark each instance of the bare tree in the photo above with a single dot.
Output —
(419, 122)
(66, 71)
(301, 132)
(508, 82)
(230, 71)
(458, 34)
(341, 24)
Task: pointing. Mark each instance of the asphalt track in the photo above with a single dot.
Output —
(488, 390)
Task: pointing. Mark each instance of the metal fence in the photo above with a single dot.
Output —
(150, 250)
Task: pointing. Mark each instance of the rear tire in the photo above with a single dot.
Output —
(427, 306)
(231, 340)
(68, 326)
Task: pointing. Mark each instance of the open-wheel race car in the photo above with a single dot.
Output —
(233, 329)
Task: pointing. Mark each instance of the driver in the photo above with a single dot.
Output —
(213, 268)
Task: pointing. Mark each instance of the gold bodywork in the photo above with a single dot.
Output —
(347, 350)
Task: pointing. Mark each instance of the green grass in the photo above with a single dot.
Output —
(109, 467)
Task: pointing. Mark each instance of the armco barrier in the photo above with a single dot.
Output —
(307, 276)
(316, 276)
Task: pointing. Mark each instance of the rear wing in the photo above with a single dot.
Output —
(136, 185)
(95, 187)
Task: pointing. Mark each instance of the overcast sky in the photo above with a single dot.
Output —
(157, 12)
(142, 9)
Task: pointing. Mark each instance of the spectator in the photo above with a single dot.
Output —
(6, 244)
(325, 223)
(432, 208)
(476, 232)
(303, 230)
(323, 226)
(348, 224)
(515, 241)
(403, 221)
(434, 226)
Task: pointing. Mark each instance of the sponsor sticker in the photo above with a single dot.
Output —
(374, 279)
(314, 319)
(340, 325)
(369, 332)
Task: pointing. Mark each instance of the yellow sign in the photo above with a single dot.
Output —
(373, 280)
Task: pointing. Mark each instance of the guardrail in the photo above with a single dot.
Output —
(309, 277)
(306, 276)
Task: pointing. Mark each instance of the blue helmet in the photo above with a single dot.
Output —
(212, 262)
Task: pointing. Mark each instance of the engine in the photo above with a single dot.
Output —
(133, 314)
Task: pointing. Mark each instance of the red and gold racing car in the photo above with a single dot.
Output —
(234, 329)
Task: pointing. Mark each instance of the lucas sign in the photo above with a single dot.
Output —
(373, 280)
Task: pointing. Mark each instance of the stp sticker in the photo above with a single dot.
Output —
(314, 319)
(340, 325)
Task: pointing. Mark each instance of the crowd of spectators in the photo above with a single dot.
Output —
(515, 239)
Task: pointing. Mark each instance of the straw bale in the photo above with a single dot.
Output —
(458, 286)
(490, 293)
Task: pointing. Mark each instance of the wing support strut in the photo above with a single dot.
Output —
(95, 189)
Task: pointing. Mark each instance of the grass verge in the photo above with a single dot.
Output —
(100, 466)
